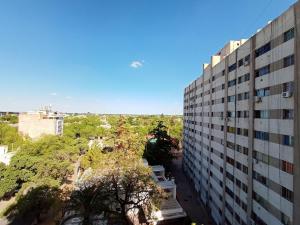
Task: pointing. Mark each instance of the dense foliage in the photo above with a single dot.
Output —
(159, 146)
(49, 162)
(9, 136)
(50, 157)
(11, 119)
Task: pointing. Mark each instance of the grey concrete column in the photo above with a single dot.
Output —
(251, 128)
(225, 136)
(296, 211)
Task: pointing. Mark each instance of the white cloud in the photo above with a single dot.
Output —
(137, 64)
(53, 93)
(68, 97)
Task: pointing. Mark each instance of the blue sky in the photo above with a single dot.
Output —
(115, 56)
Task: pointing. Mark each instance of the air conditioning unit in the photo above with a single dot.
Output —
(258, 99)
(255, 161)
(286, 94)
(246, 63)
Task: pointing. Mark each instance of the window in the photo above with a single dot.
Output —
(262, 92)
(232, 67)
(223, 72)
(245, 169)
(244, 78)
(243, 96)
(262, 71)
(287, 114)
(241, 62)
(287, 194)
(230, 160)
(231, 129)
(240, 97)
(287, 140)
(238, 182)
(261, 114)
(262, 50)
(288, 87)
(230, 145)
(247, 60)
(231, 83)
(288, 61)
(230, 114)
(261, 135)
(231, 98)
(288, 35)
(287, 167)
(240, 80)
(247, 76)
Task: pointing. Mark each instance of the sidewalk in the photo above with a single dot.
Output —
(187, 195)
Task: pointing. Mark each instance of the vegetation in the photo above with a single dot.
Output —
(159, 146)
(11, 119)
(9, 136)
(115, 192)
(34, 204)
(51, 157)
(42, 169)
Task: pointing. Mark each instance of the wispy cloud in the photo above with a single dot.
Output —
(137, 64)
(53, 93)
(68, 97)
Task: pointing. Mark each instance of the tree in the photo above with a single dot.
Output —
(51, 157)
(117, 191)
(133, 189)
(91, 199)
(11, 119)
(30, 206)
(9, 136)
(159, 146)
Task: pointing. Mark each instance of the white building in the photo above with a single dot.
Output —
(5, 156)
(170, 209)
(241, 127)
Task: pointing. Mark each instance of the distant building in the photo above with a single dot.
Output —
(43, 122)
(5, 156)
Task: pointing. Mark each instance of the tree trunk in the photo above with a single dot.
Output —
(86, 219)
(125, 218)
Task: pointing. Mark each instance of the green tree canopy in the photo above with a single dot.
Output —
(159, 146)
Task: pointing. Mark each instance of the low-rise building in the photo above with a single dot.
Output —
(38, 123)
(170, 209)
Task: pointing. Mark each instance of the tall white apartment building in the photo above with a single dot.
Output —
(242, 127)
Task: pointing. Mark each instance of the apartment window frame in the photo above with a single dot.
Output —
(263, 49)
(288, 35)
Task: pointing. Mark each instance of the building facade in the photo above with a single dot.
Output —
(43, 122)
(241, 127)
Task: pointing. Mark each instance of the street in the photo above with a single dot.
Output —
(187, 195)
